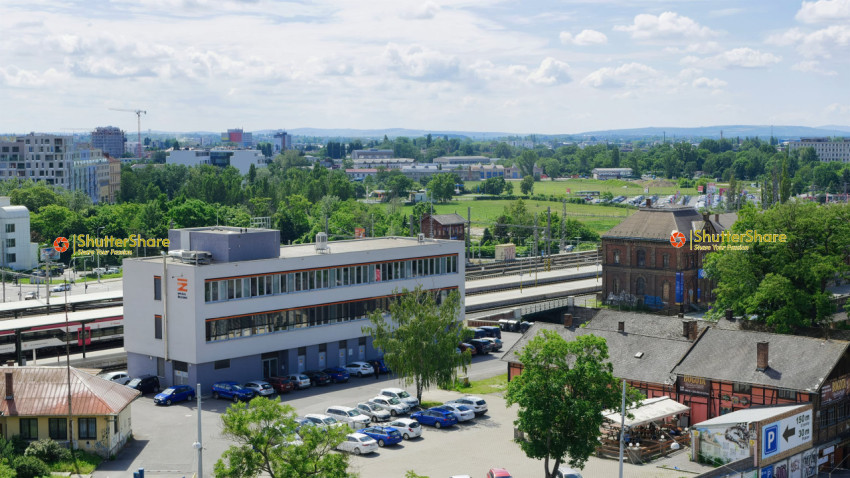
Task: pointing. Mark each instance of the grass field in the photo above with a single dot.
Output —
(616, 187)
(598, 218)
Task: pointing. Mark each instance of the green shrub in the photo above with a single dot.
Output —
(30, 467)
(47, 450)
(19, 445)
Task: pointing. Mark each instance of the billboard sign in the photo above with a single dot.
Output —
(694, 385)
(835, 389)
(49, 254)
(786, 434)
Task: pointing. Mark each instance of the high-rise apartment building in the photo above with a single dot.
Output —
(241, 138)
(282, 141)
(110, 140)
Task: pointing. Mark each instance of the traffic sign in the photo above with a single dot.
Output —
(786, 434)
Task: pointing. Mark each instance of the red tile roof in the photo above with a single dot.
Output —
(43, 391)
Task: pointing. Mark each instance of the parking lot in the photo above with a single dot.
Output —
(164, 436)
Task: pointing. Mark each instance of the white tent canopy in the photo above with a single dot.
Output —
(650, 410)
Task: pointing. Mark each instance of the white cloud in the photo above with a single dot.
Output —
(704, 82)
(426, 11)
(15, 77)
(584, 38)
(824, 11)
(736, 58)
(812, 66)
(629, 74)
(417, 63)
(838, 108)
(822, 43)
(551, 72)
(703, 48)
(665, 25)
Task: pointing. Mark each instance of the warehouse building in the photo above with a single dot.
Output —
(230, 303)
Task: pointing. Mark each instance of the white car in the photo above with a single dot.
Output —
(61, 288)
(477, 404)
(321, 420)
(352, 416)
(358, 444)
(567, 472)
(374, 411)
(400, 394)
(261, 388)
(359, 369)
(300, 380)
(461, 412)
(407, 427)
(390, 404)
(118, 377)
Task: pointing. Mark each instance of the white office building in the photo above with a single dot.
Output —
(827, 149)
(18, 252)
(231, 303)
(241, 159)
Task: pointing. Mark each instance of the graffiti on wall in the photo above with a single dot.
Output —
(809, 462)
(724, 444)
(739, 435)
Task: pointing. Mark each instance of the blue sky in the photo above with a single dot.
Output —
(472, 65)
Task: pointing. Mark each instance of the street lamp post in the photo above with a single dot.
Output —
(97, 254)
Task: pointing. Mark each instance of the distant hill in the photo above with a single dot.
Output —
(729, 131)
(389, 132)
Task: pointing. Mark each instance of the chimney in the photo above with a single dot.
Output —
(686, 328)
(761, 356)
(694, 329)
(717, 218)
(10, 392)
(621, 327)
(729, 316)
(568, 320)
(648, 202)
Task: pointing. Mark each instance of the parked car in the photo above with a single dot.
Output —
(435, 418)
(281, 384)
(402, 395)
(300, 380)
(567, 472)
(322, 420)
(382, 367)
(145, 384)
(118, 377)
(318, 378)
(61, 287)
(392, 405)
(492, 331)
(373, 411)
(495, 344)
(303, 422)
(359, 369)
(408, 428)
(465, 346)
(260, 387)
(477, 404)
(461, 412)
(352, 416)
(482, 346)
(99, 271)
(231, 391)
(113, 270)
(358, 443)
(30, 296)
(383, 435)
(498, 473)
(337, 374)
(177, 393)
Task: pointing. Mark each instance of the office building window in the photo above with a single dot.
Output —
(10, 228)
(157, 327)
(87, 428)
(11, 257)
(58, 428)
(157, 288)
(29, 428)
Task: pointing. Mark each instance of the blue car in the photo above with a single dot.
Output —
(177, 393)
(337, 374)
(383, 435)
(231, 391)
(435, 417)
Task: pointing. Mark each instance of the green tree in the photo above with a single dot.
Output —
(783, 284)
(527, 185)
(784, 183)
(526, 161)
(441, 187)
(419, 338)
(561, 393)
(267, 444)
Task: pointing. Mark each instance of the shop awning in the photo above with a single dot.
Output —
(650, 410)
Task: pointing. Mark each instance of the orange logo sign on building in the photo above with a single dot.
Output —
(61, 244)
(677, 239)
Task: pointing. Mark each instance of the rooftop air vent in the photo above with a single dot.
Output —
(421, 237)
(322, 242)
(639, 355)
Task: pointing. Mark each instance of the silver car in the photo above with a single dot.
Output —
(391, 404)
(261, 388)
(374, 411)
(477, 404)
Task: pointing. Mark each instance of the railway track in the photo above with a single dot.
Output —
(555, 262)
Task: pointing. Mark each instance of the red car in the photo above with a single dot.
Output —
(281, 384)
(498, 473)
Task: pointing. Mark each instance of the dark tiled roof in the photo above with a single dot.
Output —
(660, 355)
(795, 362)
(448, 219)
(655, 224)
(650, 325)
(42, 391)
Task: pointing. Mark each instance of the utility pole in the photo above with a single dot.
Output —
(469, 235)
(622, 426)
(549, 233)
(199, 445)
(563, 223)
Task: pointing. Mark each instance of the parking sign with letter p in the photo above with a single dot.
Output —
(770, 445)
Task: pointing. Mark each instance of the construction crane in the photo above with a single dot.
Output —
(139, 118)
